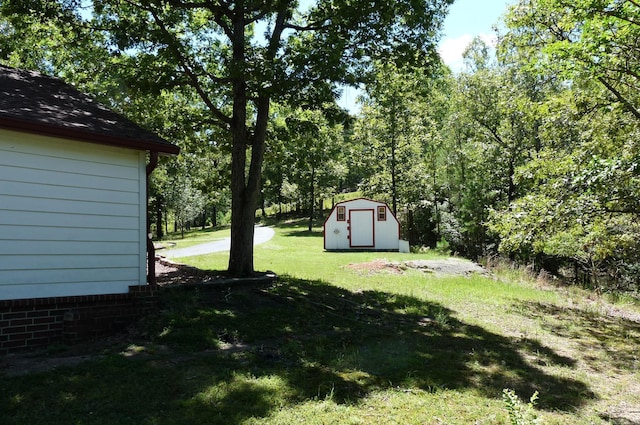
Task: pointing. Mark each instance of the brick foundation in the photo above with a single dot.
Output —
(40, 322)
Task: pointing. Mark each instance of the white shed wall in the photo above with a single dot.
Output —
(386, 233)
(72, 217)
(335, 233)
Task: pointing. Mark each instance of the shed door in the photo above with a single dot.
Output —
(361, 230)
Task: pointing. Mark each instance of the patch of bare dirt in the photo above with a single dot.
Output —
(17, 365)
(377, 266)
(613, 311)
(449, 266)
(24, 363)
(171, 273)
(624, 414)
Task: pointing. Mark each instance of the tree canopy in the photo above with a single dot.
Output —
(235, 57)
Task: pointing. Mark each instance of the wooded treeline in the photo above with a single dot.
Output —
(531, 152)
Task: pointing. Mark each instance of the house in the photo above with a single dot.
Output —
(361, 224)
(73, 208)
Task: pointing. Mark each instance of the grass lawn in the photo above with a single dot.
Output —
(333, 344)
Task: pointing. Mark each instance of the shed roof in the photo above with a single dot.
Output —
(361, 199)
(36, 103)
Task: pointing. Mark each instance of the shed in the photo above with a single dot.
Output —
(73, 192)
(361, 224)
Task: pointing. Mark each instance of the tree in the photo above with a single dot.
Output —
(388, 94)
(183, 198)
(315, 148)
(238, 56)
(584, 38)
(488, 133)
(398, 142)
(578, 200)
(581, 205)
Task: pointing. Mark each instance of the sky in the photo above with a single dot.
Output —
(466, 20)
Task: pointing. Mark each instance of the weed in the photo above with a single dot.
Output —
(442, 318)
(520, 413)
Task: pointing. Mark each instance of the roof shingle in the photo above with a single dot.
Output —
(36, 103)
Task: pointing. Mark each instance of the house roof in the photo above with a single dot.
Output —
(36, 103)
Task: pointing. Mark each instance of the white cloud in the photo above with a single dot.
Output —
(452, 48)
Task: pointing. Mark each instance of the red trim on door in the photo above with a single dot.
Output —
(373, 228)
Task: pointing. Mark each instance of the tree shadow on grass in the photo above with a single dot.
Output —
(326, 339)
(239, 352)
(604, 340)
(304, 234)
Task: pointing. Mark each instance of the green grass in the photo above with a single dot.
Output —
(332, 344)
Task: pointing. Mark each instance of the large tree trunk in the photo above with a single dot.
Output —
(242, 207)
(242, 223)
(245, 193)
(245, 188)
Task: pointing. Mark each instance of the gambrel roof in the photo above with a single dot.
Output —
(35, 103)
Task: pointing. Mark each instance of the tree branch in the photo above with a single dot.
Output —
(184, 64)
(627, 104)
(258, 16)
(315, 26)
(262, 104)
(219, 12)
(634, 211)
(612, 14)
(492, 131)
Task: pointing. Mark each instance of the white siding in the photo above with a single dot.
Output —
(72, 217)
(336, 232)
(388, 233)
